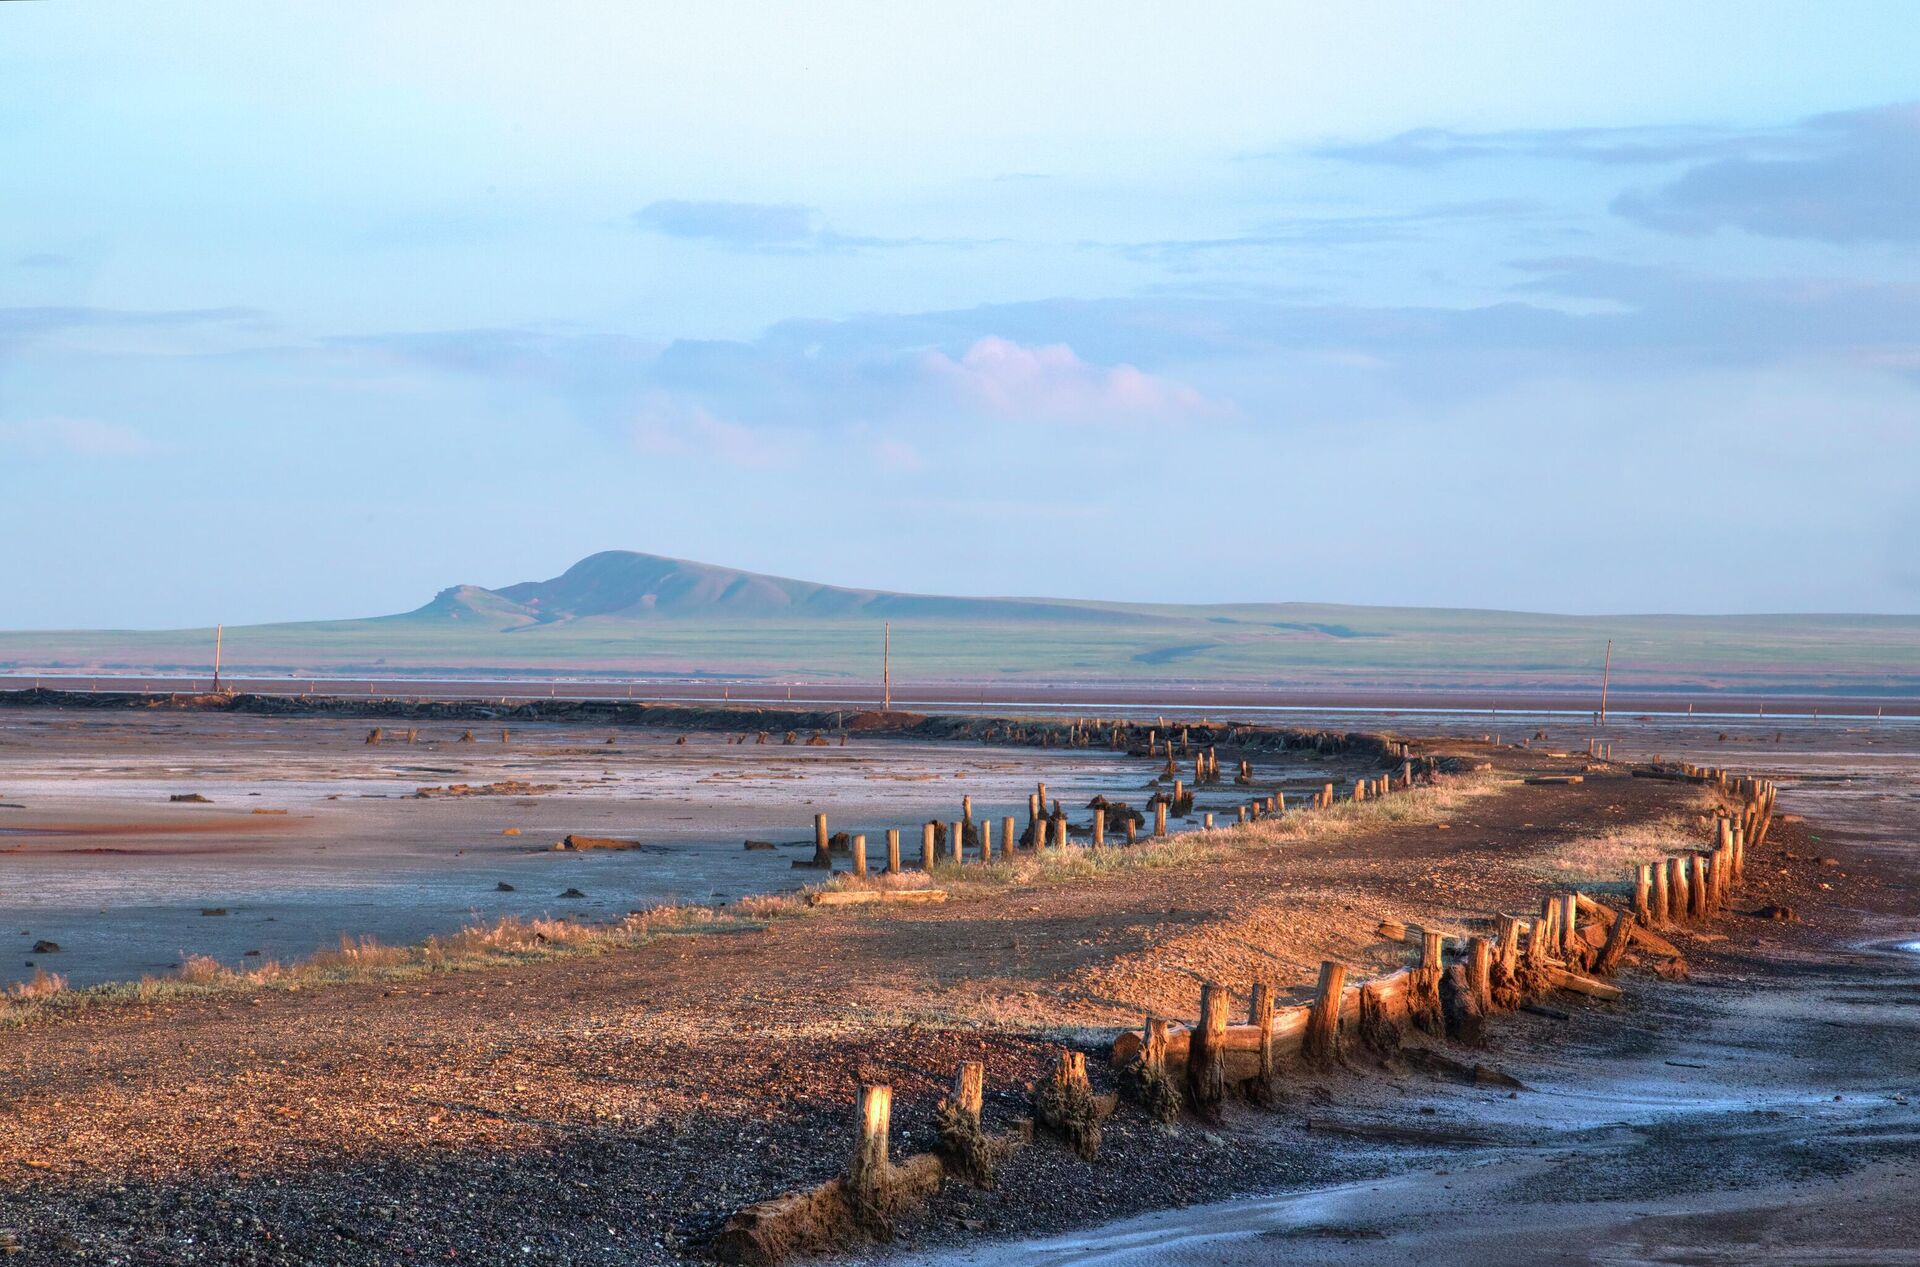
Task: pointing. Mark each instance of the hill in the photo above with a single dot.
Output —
(627, 613)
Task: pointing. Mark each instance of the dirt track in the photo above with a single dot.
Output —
(617, 1108)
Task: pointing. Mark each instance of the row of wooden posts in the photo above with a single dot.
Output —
(1573, 943)
(1047, 824)
(380, 734)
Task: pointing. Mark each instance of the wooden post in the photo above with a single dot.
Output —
(1480, 971)
(1546, 929)
(868, 1167)
(986, 840)
(966, 808)
(1099, 827)
(1678, 904)
(1159, 819)
(1326, 794)
(1359, 790)
(1432, 950)
(1659, 901)
(1060, 831)
(893, 851)
(1206, 1051)
(957, 843)
(1207, 822)
(1007, 838)
(1569, 920)
(1321, 1041)
(1510, 926)
(820, 838)
(1260, 1015)
(1241, 811)
(926, 847)
(1642, 894)
(1696, 887)
(970, 1088)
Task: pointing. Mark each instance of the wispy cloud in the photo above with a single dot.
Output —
(741, 225)
(1855, 179)
(1050, 383)
(771, 227)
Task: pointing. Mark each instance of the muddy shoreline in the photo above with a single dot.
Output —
(575, 1108)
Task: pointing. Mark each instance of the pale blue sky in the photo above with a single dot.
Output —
(307, 310)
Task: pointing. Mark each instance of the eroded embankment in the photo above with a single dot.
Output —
(789, 724)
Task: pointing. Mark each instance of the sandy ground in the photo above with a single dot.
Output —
(614, 1109)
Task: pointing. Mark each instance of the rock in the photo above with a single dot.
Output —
(46, 947)
(213, 910)
(759, 844)
(503, 887)
(577, 842)
(189, 798)
(1784, 914)
(573, 893)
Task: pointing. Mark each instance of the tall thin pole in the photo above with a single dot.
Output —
(219, 632)
(1606, 672)
(886, 667)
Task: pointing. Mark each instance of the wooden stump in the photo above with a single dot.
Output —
(1321, 1042)
(1206, 1052)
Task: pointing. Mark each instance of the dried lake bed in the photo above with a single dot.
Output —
(308, 833)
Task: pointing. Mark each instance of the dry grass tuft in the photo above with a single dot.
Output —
(1610, 857)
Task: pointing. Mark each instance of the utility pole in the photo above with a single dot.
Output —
(886, 667)
(219, 631)
(1606, 672)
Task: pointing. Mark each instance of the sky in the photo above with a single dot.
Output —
(310, 310)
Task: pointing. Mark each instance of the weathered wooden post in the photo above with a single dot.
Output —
(1320, 1043)
(1206, 1051)
(1658, 902)
(1326, 794)
(1007, 839)
(859, 855)
(1059, 831)
(1260, 1016)
(1510, 926)
(966, 808)
(867, 1170)
(1359, 790)
(957, 843)
(1207, 821)
(926, 847)
(820, 837)
(1480, 971)
(1679, 902)
(1569, 919)
(893, 851)
(1432, 950)
(1279, 802)
(1241, 811)
(986, 840)
(1099, 827)
(1159, 819)
(1643, 895)
(1696, 887)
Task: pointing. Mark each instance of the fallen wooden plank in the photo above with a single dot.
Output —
(1557, 778)
(858, 897)
(1562, 979)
